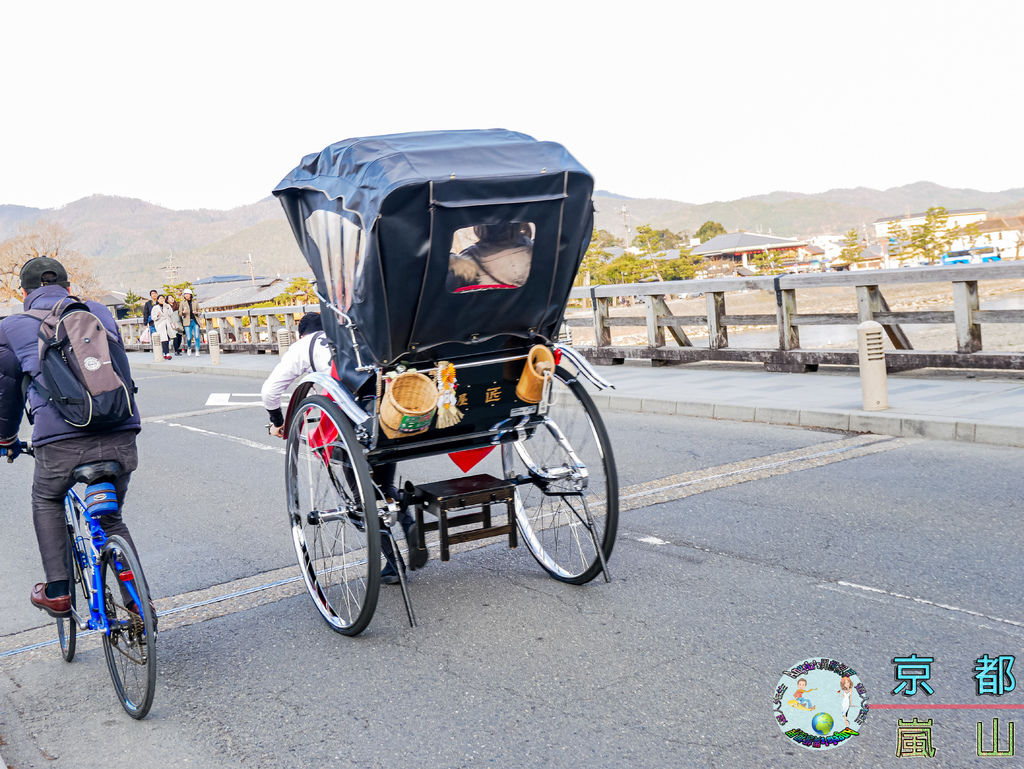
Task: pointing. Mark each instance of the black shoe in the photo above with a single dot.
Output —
(417, 555)
(388, 575)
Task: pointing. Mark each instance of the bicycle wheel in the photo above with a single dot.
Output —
(333, 515)
(570, 507)
(67, 627)
(130, 646)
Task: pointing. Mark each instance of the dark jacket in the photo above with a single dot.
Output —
(19, 352)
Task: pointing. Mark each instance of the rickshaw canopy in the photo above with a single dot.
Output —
(433, 239)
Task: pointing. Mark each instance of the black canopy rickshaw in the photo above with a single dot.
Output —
(444, 262)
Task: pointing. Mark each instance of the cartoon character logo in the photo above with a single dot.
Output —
(812, 696)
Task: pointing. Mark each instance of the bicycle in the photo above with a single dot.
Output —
(105, 572)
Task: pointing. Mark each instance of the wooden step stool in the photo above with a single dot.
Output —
(471, 491)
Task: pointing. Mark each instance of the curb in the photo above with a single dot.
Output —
(895, 424)
(182, 369)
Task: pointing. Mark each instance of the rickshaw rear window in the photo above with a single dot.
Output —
(490, 257)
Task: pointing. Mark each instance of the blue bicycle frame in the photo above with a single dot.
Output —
(86, 553)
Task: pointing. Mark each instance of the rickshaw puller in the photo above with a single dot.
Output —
(315, 355)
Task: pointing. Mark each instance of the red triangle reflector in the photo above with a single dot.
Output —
(470, 458)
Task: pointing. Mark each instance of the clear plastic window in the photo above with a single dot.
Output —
(341, 246)
(489, 257)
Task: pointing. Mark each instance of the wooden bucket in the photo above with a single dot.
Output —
(408, 405)
(531, 382)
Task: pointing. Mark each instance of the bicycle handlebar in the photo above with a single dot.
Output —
(24, 447)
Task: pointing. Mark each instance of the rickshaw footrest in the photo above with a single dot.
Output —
(473, 491)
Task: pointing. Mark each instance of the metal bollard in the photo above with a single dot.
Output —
(284, 341)
(213, 340)
(871, 352)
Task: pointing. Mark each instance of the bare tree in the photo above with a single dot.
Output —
(44, 238)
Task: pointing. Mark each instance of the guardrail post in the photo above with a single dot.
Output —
(871, 356)
(655, 333)
(789, 335)
(965, 302)
(602, 333)
(284, 341)
(718, 333)
(870, 302)
(213, 340)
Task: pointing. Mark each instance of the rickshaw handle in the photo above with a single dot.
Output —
(583, 367)
(340, 394)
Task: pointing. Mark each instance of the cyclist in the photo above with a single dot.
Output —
(312, 353)
(59, 447)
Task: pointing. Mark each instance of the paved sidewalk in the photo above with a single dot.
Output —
(982, 408)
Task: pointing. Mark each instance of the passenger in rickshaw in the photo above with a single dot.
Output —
(312, 353)
(500, 258)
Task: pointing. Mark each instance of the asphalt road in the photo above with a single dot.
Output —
(742, 550)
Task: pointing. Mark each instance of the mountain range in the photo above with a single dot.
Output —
(130, 241)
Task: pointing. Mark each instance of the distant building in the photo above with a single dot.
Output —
(725, 254)
(1005, 233)
(231, 292)
(832, 245)
(956, 219)
(871, 258)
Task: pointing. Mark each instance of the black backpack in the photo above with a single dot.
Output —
(83, 367)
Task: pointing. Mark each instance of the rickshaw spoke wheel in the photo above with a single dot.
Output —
(571, 507)
(335, 528)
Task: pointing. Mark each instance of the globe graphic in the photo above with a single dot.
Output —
(822, 723)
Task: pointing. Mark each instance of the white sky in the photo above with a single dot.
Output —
(188, 104)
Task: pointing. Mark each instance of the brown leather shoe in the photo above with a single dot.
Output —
(55, 607)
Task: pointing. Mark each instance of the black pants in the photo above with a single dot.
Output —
(177, 343)
(55, 463)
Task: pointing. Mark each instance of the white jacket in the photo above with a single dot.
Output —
(163, 321)
(294, 364)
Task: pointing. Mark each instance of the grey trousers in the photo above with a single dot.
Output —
(55, 463)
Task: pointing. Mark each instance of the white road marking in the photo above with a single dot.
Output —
(223, 436)
(926, 602)
(237, 399)
(652, 541)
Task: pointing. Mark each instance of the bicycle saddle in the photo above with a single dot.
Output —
(93, 472)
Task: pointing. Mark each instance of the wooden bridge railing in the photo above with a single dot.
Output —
(966, 315)
(245, 330)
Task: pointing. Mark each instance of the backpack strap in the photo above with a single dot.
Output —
(28, 377)
(312, 360)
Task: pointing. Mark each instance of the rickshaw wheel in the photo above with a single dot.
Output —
(571, 507)
(333, 515)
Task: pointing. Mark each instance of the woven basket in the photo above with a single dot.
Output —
(408, 405)
(531, 383)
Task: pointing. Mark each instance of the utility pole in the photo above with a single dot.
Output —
(625, 223)
(171, 269)
(252, 271)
